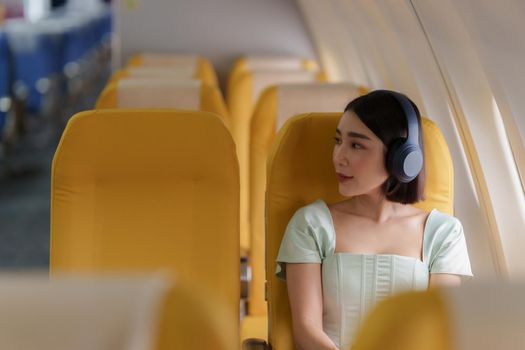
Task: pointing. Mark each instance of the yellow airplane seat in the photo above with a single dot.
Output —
(408, 321)
(300, 171)
(268, 63)
(108, 311)
(477, 315)
(143, 190)
(192, 317)
(152, 72)
(275, 106)
(246, 92)
(198, 66)
(163, 93)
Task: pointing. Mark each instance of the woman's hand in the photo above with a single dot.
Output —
(306, 302)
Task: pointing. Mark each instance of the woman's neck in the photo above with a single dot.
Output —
(375, 207)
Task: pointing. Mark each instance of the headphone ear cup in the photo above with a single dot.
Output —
(404, 160)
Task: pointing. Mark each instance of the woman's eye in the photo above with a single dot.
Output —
(337, 140)
(356, 146)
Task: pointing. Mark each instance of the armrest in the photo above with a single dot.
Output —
(246, 277)
(255, 344)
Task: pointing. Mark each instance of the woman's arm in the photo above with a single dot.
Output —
(444, 280)
(306, 302)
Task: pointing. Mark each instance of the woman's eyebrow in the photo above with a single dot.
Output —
(361, 136)
(354, 134)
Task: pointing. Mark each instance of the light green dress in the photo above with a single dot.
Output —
(354, 283)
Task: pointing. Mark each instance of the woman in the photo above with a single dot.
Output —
(339, 260)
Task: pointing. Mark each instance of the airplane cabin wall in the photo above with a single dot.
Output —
(220, 30)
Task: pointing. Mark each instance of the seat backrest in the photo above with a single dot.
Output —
(275, 105)
(107, 313)
(477, 315)
(188, 62)
(151, 73)
(248, 86)
(245, 92)
(200, 67)
(300, 171)
(142, 190)
(269, 63)
(163, 93)
(160, 72)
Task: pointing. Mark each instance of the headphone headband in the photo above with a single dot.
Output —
(410, 114)
(405, 158)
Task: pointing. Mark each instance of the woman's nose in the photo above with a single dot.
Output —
(340, 156)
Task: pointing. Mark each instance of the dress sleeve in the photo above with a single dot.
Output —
(450, 254)
(299, 244)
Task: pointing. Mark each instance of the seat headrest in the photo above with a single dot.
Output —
(187, 62)
(294, 99)
(158, 93)
(263, 79)
(160, 72)
(279, 63)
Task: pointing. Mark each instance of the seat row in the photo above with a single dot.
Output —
(153, 193)
(168, 81)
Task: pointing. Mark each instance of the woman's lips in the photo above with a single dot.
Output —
(343, 178)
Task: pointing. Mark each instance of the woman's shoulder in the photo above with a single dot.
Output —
(442, 229)
(313, 213)
(440, 223)
(445, 245)
(315, 220)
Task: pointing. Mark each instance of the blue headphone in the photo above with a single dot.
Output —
(404, 159)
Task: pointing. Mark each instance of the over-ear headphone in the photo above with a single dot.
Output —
(404, 159)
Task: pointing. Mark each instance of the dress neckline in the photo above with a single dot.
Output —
(332, 227)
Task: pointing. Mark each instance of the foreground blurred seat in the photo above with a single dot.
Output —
(163, 93)
(488, 315)
(108, 312)
(275, 106)
(141, 190)
(79, 312)
(300, 170)
(199, 67)
(246, 90)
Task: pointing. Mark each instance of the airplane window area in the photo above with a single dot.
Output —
(436, 53)
(169, 177)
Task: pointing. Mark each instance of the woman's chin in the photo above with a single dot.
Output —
(345, 192)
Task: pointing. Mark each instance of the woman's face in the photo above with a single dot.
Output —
(359, 157)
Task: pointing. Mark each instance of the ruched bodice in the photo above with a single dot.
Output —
(354, 283)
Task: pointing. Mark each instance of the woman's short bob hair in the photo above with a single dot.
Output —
(382, 113)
